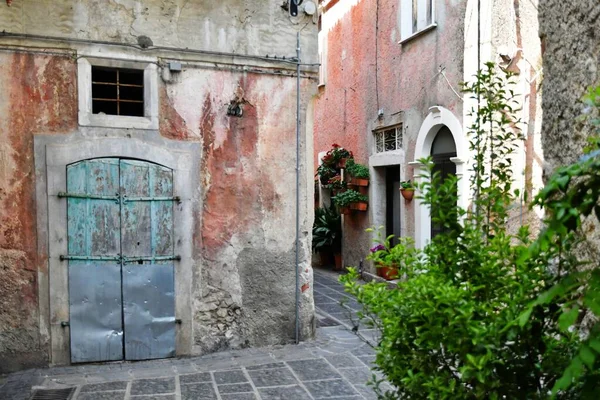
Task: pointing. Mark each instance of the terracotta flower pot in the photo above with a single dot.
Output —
(387, 273)
(408, 194)
(345, 210)
(342, 163)
(338, 262)
(325, 258)
(359, 182)
(359, 206)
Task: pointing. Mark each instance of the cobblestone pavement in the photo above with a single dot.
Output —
(333, 366)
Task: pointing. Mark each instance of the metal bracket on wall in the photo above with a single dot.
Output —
(64, 324)
(174, 198)
(128, 260)
(119, 259)
(88, 196)
(90, 258)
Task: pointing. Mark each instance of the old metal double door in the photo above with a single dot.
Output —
(120, 255)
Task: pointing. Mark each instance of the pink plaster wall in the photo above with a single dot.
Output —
(368, 70)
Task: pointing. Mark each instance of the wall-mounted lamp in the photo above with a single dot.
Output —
(235, 109)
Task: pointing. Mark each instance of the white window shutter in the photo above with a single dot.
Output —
(422, 14)
(406, 19)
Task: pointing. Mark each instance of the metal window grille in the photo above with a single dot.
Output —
(117, 91)
(388, 139)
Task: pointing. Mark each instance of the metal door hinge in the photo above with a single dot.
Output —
(64, 324)
(178, 321)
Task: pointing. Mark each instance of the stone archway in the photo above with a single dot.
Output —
(438, 118)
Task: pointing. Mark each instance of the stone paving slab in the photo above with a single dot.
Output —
(334, 366)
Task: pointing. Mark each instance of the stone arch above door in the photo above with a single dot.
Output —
(437, 118)
(52, 155)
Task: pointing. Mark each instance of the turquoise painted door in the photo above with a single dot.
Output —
(120, 254)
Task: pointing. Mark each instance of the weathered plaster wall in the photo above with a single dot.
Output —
(365, 75)
(515, 33)
(243, 27)
(571, 48)
(569, 32)
(245, 293)
(244, 283)
(39, 94)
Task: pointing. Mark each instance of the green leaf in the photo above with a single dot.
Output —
(568, 318)
(587, 356)
(524, 317)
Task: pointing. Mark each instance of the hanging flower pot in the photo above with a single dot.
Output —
(345, 210)
(407, 189)
(408, 194)
(342, 163)
(359, 206)
(359, 182)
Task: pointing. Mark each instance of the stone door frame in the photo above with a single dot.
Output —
(435, 120)
(52, 155)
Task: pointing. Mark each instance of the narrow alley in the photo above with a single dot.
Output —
(334, 366)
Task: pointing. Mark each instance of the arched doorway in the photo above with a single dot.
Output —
(120, 260)
(443, 150)
(440, 121)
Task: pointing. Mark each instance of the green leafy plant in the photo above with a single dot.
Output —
(357, 170)
(327, 230)
(572, 303)
(326, 172)
(336, 183)
(348, 197)
(407, 185)
(467, 321)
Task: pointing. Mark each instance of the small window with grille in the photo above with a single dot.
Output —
(117, 91)
(388, 139)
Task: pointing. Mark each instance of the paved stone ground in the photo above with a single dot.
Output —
(334, 366)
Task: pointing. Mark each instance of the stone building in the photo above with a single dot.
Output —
(390, 91)
(148, 180)
(571, 59)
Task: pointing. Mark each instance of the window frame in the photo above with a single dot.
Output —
(86, 115)
(410, 20)
(399, 128)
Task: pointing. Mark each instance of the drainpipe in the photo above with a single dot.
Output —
(297, 187)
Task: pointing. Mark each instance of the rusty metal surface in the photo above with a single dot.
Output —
(149, 311)
(121, 277)
(96, 316)
(94, 285)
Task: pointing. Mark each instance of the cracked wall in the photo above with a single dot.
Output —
(231, 26)
(571, 43)
(39, 96)
(244, 236)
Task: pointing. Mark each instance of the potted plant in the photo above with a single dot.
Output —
(338, 155)
(407, 189)
(325, 172)
(381, 256)
(336, 184)
(359, 173)
(350, 199)
(389, 260)
(327, 234)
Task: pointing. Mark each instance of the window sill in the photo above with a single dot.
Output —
(417, 34)
(118, 121)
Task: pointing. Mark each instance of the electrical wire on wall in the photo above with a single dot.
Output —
(377, 54)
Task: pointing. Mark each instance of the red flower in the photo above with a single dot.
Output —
(335, 145)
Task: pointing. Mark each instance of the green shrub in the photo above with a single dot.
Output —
(348, 197)
(327, 230)
(357, 170)
(473, 317)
